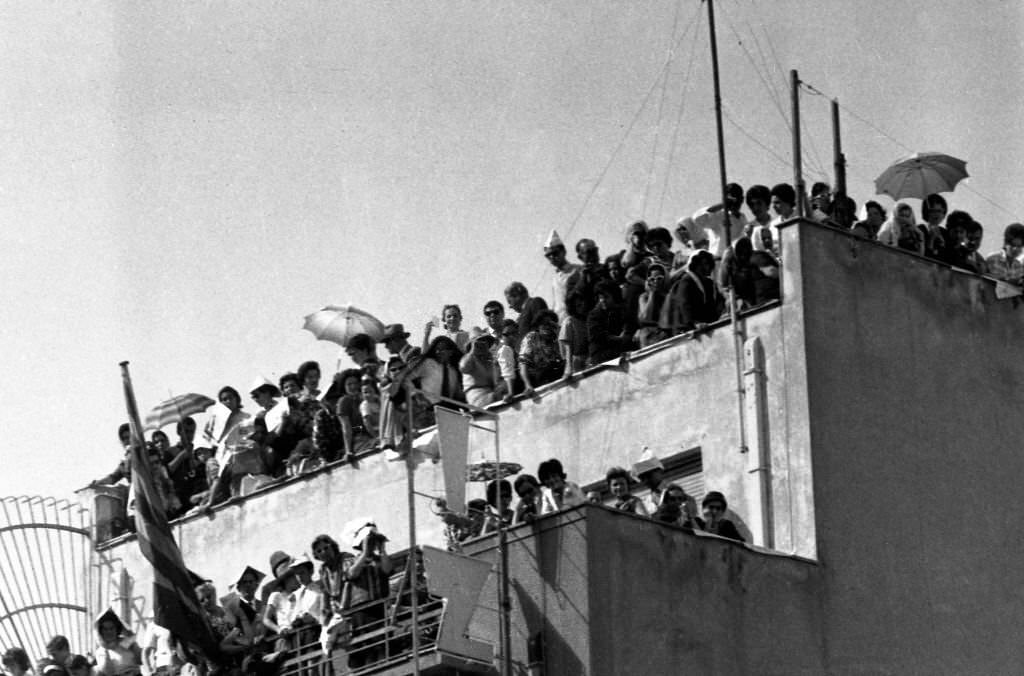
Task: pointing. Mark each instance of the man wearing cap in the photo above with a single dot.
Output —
(395, 340)
(554, 251)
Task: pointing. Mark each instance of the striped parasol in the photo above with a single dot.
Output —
(489, 471)
(176, 408)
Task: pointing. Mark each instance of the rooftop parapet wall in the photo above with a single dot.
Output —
(915, 378)
(616, 594)
(283, 517)
(676, 396)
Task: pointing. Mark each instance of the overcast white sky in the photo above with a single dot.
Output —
(183, 181)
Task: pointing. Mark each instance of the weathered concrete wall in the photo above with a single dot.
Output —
(914, 377)
(676, 398)
(615, 594)
(549, 591)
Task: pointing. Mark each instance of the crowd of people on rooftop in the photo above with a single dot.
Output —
(598, 309)
(551, 491)
(253, 632)
(326, 599)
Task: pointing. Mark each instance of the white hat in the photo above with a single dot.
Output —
(646, 463)
(262, 382)
(554, 241)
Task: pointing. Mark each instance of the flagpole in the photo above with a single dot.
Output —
(410, 564)
(504, 626)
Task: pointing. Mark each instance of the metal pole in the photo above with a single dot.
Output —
(726, 219)
(410, 474)
(798, 172)
(839, 161)
(727, 222)
(505, 626)
(737, 343)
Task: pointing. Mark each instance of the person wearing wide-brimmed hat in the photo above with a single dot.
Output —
(649, 471)
(117, 653)
(280, 608)
(395, 340)
(714, 508)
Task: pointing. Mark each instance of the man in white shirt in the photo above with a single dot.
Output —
(554, 251)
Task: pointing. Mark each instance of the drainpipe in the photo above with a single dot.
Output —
(760, 462)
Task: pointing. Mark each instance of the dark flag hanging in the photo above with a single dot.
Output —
(175, 604)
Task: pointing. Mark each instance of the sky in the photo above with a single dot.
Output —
(184, 181)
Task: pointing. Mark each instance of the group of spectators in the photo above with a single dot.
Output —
(551, 491)
(599, 309)
(59, 661)
(300, 604)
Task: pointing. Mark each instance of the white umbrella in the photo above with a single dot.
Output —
(338, 323)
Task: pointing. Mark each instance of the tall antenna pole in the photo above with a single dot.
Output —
(726, 219)
(798, 172)
(839, 160)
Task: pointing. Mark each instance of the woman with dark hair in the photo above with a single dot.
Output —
(649, 305)
(221, 429)
(309, 378)
(619, 481)
(499, 510)
(447, 354)
(572, 334)
(540, 357)
(354, 435)
(315, 420)
(933, 213)
(528, 489)
(874, 217)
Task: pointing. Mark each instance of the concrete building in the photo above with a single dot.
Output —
(880, 413)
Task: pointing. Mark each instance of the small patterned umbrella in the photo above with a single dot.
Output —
(176, 408)
(489, 471)
(921, 175)
(338, 323)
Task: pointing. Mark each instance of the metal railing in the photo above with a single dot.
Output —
(375, 645)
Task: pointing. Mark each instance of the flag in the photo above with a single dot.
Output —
(175, 605)
(453, 434)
